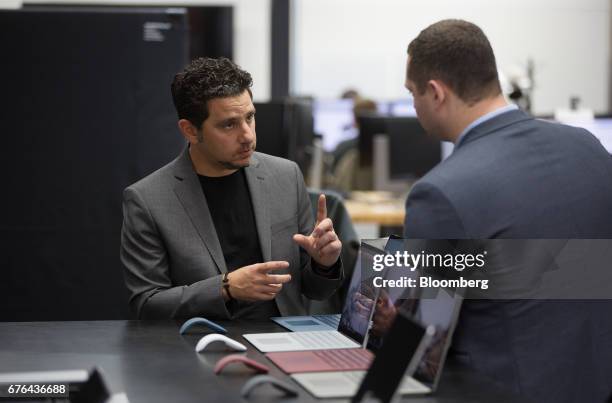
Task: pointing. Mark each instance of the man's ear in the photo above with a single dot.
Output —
(189, 131)
(439, 91)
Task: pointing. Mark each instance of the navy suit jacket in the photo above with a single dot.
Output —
(518, 177)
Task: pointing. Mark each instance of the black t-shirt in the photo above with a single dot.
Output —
(229, 203)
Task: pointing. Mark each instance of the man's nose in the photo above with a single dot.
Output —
(248, 133)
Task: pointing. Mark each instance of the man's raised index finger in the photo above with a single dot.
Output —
(321, 209)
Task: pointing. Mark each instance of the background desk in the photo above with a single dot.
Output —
(151, 362)
(373, 212)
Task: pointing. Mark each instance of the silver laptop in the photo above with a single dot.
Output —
(336, 385)
(386, 373)
(440, 311)
(309, 323)
(354, 322)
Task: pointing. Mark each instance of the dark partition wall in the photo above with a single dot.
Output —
(85, 110)
(211, 32)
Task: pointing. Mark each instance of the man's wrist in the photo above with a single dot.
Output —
(225, 288)
(331, 272)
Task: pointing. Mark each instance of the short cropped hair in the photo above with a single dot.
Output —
(459, 54)
(205, 79)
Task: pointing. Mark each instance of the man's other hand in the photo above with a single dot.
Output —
(255, 283)
(322, 244)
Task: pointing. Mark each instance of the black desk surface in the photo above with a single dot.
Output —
(151, 362)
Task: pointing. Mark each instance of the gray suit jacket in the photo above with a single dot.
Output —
(517, 177)
(171, 253)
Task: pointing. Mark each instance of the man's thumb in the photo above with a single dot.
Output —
(301, 240)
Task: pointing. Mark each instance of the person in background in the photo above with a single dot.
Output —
(347, 175)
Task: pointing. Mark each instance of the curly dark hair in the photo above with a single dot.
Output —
(458, 53)
(205, 79)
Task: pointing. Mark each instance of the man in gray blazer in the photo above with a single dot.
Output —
(223, 231)
(511, 176)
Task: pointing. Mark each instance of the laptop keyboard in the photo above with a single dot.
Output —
(327, 339)
(330, 320)
(354, 376)
(346, 358)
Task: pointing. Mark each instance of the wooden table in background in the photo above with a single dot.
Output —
(370, 211)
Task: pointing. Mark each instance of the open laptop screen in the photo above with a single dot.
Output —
(359, 304)
(441, 312)
(438, 307)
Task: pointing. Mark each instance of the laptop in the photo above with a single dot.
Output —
(440, 311)
(354, 322)
(387, 371)
(309, 323)
(346, 359)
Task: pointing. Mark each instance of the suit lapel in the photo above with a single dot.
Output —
(189, 191)
(258, 187)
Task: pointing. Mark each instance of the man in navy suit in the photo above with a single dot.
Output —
(511, 176)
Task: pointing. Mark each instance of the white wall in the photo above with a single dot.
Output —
(251, 32)
(362, 43)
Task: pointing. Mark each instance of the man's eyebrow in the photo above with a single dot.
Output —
(228, 120)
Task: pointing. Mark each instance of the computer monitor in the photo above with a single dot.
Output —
(334, 121)
(412, 152)
(285, 129)
(301, 131)
(369, 126)
(402, 107)
(272, 128)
